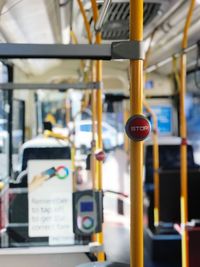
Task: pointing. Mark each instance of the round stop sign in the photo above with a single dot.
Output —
(138, 128)
(100, 155)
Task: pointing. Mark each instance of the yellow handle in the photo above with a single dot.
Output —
(1, 185)
(183, 134)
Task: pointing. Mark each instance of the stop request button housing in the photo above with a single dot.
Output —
(138, 128)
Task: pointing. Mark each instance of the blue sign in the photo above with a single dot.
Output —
(164, 117)
(192, 110)
(149, 85)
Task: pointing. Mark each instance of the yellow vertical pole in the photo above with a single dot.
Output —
(93, 95)
(99, 122)
(156, 175)
(155, 146)
(1, 186)
(99, 236)
(68, 115)
(94, 163)
(93, 98)
(176, 73)
(136, 148)
(155, 165)
(93, 160)
(86, 22)
(183, 134)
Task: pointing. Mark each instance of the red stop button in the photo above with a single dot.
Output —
(100, 155)
(138, 128)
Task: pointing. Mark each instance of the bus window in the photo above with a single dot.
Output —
(18, 130)
(3, 134)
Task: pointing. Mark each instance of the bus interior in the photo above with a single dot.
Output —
(81, 183)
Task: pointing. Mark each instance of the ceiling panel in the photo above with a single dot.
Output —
(29, 21)
(116, 23)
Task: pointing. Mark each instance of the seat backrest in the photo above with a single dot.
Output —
(170, 195)
(169, 159)
(44, 153)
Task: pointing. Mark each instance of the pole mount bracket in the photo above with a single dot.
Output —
(132, 50)
(97, 85)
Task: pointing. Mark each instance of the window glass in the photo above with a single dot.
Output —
(17, 130)
(192, 110)
(3, 135)
(193, 81)
(105, 129)
(86, 128)
(4, 110)
(114, 117)
(56, 111)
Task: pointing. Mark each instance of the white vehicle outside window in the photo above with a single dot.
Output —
(83, 136)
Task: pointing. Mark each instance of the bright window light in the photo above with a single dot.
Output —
(147, 43)
(66, 35)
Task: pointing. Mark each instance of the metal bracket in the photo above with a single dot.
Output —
(96, 247)
(51, 86)
(128, 50)
(97, 85)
